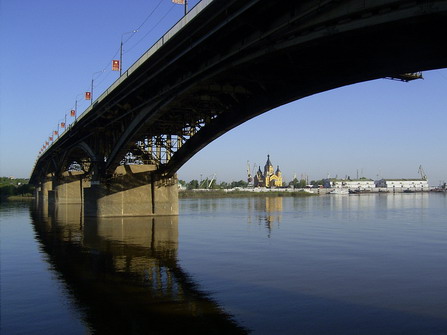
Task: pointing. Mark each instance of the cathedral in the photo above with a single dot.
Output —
(270, 178)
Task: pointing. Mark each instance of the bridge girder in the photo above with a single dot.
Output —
(238, 59)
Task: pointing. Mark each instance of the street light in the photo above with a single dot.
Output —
(182, 2)
(121, 48)
(186, 7)
(91, 92)
(75, 114)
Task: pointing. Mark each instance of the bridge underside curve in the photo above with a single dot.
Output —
(257, 65)
(234, 60)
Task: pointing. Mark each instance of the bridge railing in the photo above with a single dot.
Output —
(152, 50)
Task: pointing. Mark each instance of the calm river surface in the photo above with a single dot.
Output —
(368, 264)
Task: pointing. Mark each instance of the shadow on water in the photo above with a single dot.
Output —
(124, 274)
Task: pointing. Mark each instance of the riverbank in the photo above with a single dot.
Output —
(17, 198)
(237, 193)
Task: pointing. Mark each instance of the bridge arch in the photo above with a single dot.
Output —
(80, 157)
(315, 47)
(237, 59)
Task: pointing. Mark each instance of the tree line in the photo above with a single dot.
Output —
(15, 186)
(20, 187)
(212, 184)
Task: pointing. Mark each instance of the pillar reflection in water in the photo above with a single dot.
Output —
(124, 274)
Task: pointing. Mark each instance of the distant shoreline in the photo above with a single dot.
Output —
(17, 198)
(183, 194)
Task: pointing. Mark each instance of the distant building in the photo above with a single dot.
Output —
(269, 178)
(403, 184)
(353, 184)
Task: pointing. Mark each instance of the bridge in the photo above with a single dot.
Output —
(224, 63)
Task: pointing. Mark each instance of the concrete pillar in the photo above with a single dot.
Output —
(46, 185)
(37, 193)
(132, 192)
(69, 188)
(165, 196)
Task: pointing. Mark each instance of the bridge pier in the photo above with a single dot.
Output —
(69, 188)
(44, 189)
(133, 191)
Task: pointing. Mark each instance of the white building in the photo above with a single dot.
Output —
(352, 184)
(404, 184)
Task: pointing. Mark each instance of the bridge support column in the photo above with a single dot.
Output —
(45, 187)
(133, 191)
(69, 189)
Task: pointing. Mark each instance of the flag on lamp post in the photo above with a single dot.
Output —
(88, 95)
(115, 65)
(182, 2)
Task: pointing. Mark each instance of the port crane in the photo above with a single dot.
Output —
(422, 173)
(249, 176)
(250, 173)
(208, 182)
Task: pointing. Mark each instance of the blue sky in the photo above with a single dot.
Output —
(51, 50)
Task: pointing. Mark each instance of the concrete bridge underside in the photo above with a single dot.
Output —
(223, 64)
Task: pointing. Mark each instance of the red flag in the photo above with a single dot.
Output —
(115, 65)
(72, 112)
(62, 124)
(88, 95)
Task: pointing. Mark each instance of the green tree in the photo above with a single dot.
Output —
(317, 182)
(193, 184)
(295, 183)
(7, 190)
(239, 183)
(223, 185)
(25, 189)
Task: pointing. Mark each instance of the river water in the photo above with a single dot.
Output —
(357, 264)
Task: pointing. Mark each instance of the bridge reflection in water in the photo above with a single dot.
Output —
(123, 274)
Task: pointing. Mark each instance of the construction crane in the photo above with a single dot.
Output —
(253, 171)
(211, 181)
(422, 173)
(207, 182)
(249, 175)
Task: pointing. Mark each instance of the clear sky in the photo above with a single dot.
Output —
(51, 50)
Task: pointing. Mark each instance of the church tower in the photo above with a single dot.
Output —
(270, 178)
(268, 168)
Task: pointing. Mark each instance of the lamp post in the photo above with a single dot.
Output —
(182, 2)
(91, 92)
(76, 106)
(121, 48)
